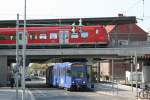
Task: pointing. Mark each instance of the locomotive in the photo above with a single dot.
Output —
(67, 75)
(55, 36)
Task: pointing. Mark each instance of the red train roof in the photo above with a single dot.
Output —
(46, 28)
(69, 21)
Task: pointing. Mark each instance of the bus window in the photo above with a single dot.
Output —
(69, 72)
(78, 72)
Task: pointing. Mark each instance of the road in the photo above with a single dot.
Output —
(60, 94)
(41, 92)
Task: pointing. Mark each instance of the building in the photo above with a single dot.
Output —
(122, 35)
(148, 37)
(117, 69)
(125, 34)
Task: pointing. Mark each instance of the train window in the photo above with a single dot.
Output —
(20, 36)
(97, 31)
(53, 35)
(33, 36)
(74, 35)
(42, 36)
(3, 37)
(84, 34)
(12, 37)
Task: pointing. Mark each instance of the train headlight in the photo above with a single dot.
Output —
(73, 82)
(83, 82)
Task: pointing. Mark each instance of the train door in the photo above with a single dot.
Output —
(20, 38)
(64, 37)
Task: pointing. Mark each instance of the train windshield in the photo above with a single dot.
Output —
(78, 72)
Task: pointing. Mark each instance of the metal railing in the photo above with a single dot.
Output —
(145, 92)
(131, 44)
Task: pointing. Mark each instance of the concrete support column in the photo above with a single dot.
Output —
(3, 71)
(146, 71)
(112, 62)
(89, 64)
(98, 72)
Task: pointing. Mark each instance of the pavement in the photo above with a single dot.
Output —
(7, 93)
(117, 90)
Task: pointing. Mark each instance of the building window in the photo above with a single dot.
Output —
(42, 36)
(84, 35)
(123, 42)
(74, 35)
(53, 35)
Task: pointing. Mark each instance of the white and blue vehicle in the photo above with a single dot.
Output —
(70, 75)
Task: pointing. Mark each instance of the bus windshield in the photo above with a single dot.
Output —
(78, 72)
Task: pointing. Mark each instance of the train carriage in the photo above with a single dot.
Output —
(69, 36)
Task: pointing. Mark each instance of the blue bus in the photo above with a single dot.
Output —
(70, 75)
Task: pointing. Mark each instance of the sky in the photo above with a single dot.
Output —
(50, 9)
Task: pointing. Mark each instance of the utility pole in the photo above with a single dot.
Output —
(135, 63)
(17, 55)
(24, 53)
(131, 62)
(98, 72)
(143, 8)
(112, 63)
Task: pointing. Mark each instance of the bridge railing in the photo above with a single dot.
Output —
(131, 44)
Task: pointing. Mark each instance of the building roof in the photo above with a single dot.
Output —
(125, 28)
(70, 21)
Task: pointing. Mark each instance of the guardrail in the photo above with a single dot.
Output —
(140, 48)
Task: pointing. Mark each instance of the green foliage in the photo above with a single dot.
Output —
(36, 66)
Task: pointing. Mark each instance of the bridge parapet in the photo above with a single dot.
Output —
(82, 51)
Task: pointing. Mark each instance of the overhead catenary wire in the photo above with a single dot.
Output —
(132, 6)
(143, 8)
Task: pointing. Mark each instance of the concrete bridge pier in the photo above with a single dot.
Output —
(146, 72)
(90, 69)
(3, 71)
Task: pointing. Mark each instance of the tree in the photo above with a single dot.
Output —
(35, 67)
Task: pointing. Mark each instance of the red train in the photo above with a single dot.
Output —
(56, 36)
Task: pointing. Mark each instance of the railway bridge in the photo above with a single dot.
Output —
(7, 56)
